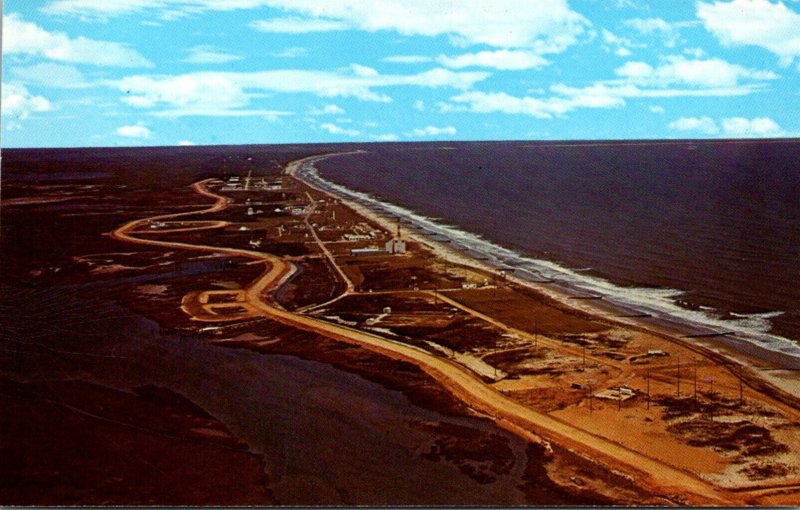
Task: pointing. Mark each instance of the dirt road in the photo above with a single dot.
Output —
(647, 472)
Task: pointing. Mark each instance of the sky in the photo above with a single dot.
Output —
(81, 73)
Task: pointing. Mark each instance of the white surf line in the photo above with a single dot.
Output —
(658, 303)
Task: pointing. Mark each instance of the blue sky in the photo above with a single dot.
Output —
(168, 72)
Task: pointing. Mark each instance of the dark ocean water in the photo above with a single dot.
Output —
(706, 230)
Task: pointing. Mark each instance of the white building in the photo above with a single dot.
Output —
(356, 237)
(369, 250)
(396, 246)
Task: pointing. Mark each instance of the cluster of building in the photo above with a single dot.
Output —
(392, 247)
(235, 183)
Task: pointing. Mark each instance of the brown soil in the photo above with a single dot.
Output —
(396, 272)
(584, 482)
(742, 438)
(315, 283)
(461, 335)
(548, 398)
(527, 311)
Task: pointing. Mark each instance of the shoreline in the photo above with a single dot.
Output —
(782, 370)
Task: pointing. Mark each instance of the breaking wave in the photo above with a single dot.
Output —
(659, 303)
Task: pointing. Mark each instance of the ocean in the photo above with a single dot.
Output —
(700, 233)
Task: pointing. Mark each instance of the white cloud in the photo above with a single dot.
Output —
(205, 54)
(51, 75)
(697, 73)
(419, 104)
(657, 109)
(432, 131)
(771, 26)
(221, 91)
(407, 59)
(101, 9)
(135, 131)
(293, 52)
(705, 125)
(270, 115)
(508, 60)
(762, 127)
(363, 71)
(648, 26)
(189, 91)
(23, 38)
(565, 100)
(186, 143)
(329, 109)
(735, 127)
(620, 46)
(546, 26)
(297, 25)
(18, 103)
(675, 77)
(695, 52)
(387, 137)
(337, 130)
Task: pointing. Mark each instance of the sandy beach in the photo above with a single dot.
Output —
(761, 378)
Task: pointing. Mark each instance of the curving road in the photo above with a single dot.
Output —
(650, 473)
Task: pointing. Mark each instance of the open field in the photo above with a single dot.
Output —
(611, 413)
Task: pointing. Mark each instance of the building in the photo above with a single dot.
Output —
(369, 250)
(357, 237)
(396, 246)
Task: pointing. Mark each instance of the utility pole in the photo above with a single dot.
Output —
(741, 389)
(584, 354)
(711, 396)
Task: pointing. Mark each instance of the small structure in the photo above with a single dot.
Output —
(621, 393)
(255, 243)
(657, 352)
(369, 250)
(387, 309)
(396, 246)
(357, 237)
